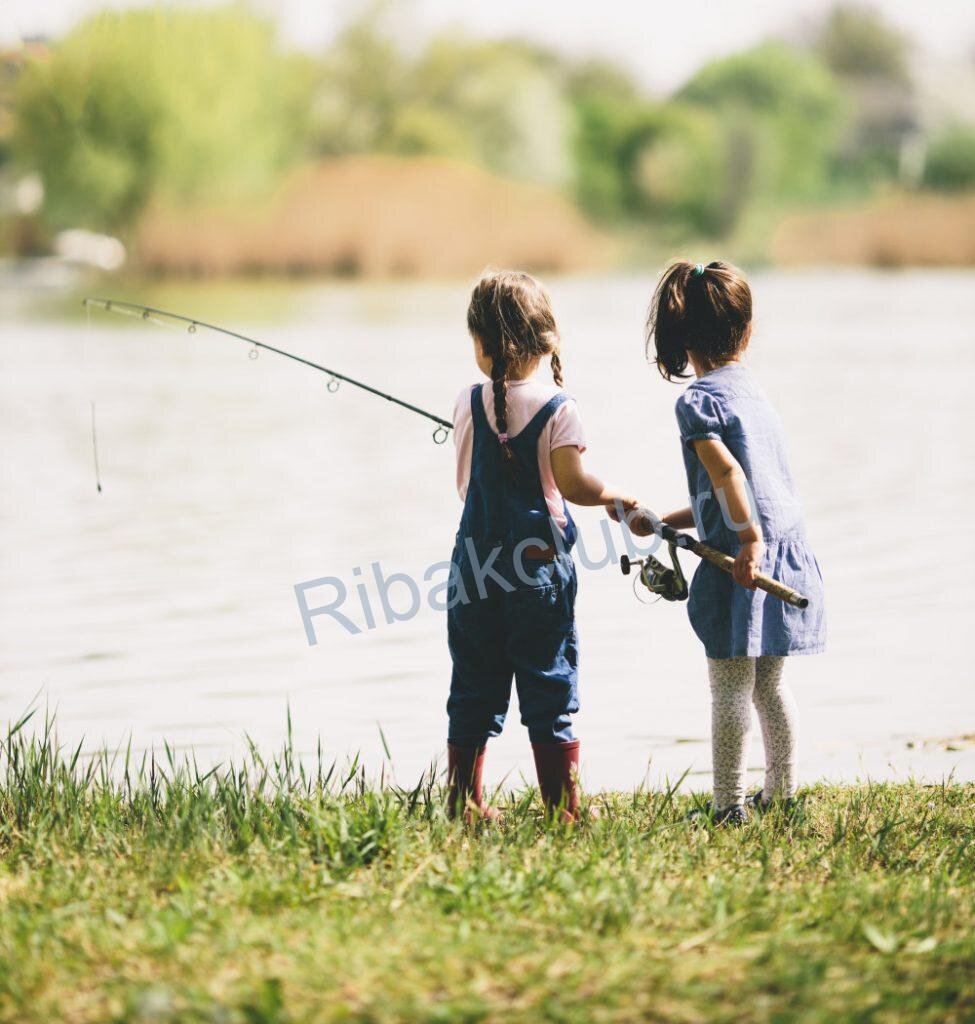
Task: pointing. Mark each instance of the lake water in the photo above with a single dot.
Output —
(164, 607)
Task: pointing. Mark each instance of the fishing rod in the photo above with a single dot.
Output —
(160, 316)
(670, 583)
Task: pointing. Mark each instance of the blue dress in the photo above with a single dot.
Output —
(727, 404)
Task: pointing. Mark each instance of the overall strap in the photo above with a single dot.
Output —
(528, 434)
(533, 431)
(525, 444)
(478, 416)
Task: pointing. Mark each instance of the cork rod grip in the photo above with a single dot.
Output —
(763, 582)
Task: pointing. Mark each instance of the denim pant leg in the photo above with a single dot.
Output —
(480, 684)
(542, 645)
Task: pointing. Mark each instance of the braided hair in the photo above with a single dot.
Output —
(510, 314)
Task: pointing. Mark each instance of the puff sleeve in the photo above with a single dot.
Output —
(699, 416)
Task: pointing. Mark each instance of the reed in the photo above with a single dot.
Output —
(279, 888)
(374, 216)
(897, 230)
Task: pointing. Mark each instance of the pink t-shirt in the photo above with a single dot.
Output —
(524, 399)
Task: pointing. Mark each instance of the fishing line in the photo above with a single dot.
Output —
(164, 318)
(94, 432)
(94, 448)
(637, 582)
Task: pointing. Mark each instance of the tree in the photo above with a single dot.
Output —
(678, 171)
(872, 60)
(497, 104)
(950, 164)
(185, 104)
(363, 81)
(639, 159)
(507, 99)
(608, 112)
(781, 111)
(856, 41)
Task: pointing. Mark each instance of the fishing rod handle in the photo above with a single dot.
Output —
(767, 583)
(724, 562)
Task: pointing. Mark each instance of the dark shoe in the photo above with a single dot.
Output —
(735, 815)
(756, 802)
(465, 794)
(557, 767)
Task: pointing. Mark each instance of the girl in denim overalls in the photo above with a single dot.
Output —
(744, 503)
(511, 599)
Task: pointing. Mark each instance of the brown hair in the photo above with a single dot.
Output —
(510, 313)
(704, 310)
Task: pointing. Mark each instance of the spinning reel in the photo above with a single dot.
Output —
(669, 584)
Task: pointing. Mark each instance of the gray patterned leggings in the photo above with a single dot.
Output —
(735, 684)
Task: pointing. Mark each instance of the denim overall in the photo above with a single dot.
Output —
(511, 612)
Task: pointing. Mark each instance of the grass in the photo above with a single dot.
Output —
(272, 892)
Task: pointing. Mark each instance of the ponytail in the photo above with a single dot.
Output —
(704, 309)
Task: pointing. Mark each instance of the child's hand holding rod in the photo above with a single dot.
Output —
(643, 522)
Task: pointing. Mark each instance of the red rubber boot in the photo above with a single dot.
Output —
(466, 794)
(557, 766)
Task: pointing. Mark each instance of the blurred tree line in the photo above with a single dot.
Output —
(197, 105)
(147, 101)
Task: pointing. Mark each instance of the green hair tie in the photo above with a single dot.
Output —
(698, 271)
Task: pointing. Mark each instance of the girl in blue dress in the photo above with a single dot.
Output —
(743, 502)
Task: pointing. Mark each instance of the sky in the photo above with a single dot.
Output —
(661, 41)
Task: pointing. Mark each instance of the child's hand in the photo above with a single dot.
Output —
(626, 504)
(640, 521)
(747, 563)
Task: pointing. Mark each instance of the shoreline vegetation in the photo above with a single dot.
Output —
(897, 231)
(377, 217)
(197, 142)
(270, 891)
